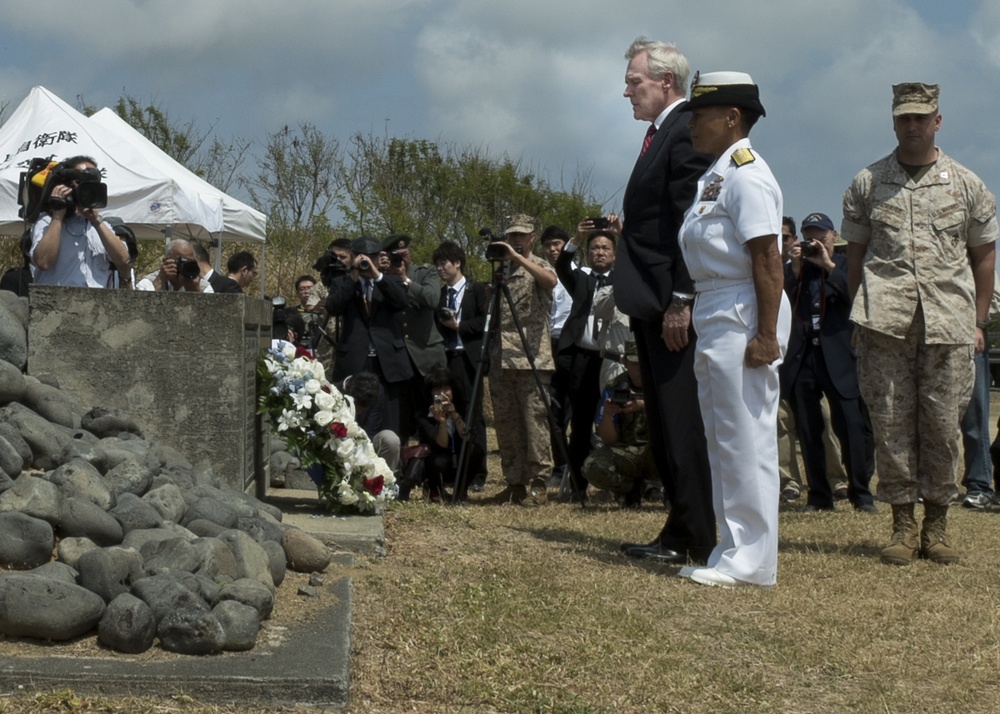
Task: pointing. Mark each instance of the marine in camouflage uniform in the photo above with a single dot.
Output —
(622, 466)
(519, 414)
(915, 221)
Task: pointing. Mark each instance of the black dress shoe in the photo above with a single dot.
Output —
(658, 552)
(629, 546)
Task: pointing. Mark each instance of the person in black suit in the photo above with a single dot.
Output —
(371, 305)
(461, 320)
(820, 360)
(578, 351)
(652, 287)
(219, 283)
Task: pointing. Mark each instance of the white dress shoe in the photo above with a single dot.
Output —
(686, 571)
(711, 576)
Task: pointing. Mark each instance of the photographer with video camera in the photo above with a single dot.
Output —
(179, 271)
(71, 246)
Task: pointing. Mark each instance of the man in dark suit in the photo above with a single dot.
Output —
(371, 306)
(219, 283)
(820, 360)
(577, 349)
(652, 287)
(423, 341)
(461, 320)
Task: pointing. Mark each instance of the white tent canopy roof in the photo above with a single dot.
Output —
(147, 189)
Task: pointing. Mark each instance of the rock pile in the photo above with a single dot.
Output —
(147, 545)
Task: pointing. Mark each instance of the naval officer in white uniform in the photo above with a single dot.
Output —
(730, 242)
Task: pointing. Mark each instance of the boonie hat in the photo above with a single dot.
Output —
(915, 98)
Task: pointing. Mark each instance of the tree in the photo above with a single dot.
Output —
(435, 192)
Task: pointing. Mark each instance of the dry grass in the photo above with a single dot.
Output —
(486, 608)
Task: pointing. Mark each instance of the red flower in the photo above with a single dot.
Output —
(303, 352)
(374, 484)
(338, 430)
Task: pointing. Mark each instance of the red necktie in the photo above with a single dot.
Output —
(650, 133)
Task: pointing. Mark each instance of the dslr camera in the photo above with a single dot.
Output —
(395, 258)
(187, 268)
(809, 249)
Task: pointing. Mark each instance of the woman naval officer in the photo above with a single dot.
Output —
(730, 244)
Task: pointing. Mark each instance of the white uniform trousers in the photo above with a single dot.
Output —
(739, 407)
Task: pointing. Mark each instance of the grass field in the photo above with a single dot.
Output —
(485, 608)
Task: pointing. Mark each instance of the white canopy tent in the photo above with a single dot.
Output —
(148, 190)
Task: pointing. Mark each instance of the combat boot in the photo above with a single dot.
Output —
(537, 495)
(934, 543)
(905, 543)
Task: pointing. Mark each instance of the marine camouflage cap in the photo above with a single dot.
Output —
(915, 98)
(519, 223)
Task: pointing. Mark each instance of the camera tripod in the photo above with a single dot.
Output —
(501, 291)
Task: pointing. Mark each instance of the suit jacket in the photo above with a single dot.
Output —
(649, 266)
(423, 341)
(472, 326)
(835, 330)
(581, 286)
(222, 284)
(383, 328)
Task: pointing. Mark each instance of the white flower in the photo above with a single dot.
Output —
(288, 419)
(288, 349)
(323, 417)
(324, 401)
(346, 494)
(313, 386)
(302, 401)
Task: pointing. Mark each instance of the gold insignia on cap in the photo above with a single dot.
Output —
(401, 244)
(813, 217)
(703, 89)
(743, 156)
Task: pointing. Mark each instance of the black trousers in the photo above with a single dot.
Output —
(850, 422)
(677, 434)
(584, 367)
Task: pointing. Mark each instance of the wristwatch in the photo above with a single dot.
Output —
(682, 300)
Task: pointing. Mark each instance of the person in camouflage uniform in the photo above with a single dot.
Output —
(519, 414)
(915, 222)
(624, 460)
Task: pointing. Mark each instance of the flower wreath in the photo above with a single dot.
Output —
(317, 422)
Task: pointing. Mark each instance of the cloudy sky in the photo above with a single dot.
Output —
(539, 80)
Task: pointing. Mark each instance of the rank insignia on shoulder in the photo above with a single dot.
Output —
(743, 156)
(711, 191)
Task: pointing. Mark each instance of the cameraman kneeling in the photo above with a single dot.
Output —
(623, 462)
(70, 245)
(179, 271)
(444, 430)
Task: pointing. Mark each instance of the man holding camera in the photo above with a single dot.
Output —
(578, 352)
(423, 341)
(179, 271)
(520, 414)
(821, 361)
(370, 305)
(71, 246)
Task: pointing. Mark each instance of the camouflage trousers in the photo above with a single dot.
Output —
(615, 468)
(916, 394)
(521, 425)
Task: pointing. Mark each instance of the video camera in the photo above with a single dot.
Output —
(329, 267)
(35, 188)
(496, 253)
